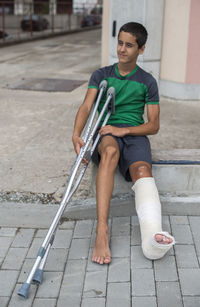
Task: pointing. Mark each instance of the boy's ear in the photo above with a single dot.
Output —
(141, 50)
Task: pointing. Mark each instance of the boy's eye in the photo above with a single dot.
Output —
(129, 45)
(120, 43)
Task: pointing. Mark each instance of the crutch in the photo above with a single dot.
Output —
(36, 273)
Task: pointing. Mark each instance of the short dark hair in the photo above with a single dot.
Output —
(137, 30)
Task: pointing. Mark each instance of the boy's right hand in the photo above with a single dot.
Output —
(78, 143)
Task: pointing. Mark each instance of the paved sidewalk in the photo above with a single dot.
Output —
(72, 280)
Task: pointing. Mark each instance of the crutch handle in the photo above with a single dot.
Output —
(103, 85)
(111, 106)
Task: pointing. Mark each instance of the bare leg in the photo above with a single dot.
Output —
(109, 152)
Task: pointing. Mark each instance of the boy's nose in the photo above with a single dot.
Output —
(123, 47)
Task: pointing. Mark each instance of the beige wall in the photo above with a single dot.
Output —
(105, 33)
(175, 40)
(193, 60)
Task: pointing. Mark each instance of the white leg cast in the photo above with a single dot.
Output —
(148, 209)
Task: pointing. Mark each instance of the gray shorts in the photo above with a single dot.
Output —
(131, 148)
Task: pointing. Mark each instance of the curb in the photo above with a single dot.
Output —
(28, 215)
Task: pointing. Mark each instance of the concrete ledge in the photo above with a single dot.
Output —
(41, 216)
(176, 172)
(176, 90)
(27, 215)
(124, 205)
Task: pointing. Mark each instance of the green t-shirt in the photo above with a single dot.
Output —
(132, 92)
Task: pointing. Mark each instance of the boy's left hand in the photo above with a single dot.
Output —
(120, 132)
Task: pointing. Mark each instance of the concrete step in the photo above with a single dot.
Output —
(124, 205)
(176, 172)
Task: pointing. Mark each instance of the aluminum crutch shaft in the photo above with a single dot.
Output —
(23, 291)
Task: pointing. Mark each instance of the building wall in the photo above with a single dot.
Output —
(180, 61)
(105, 37)
(193, 57)
(172, 53)
(147, 12)
(175, 40)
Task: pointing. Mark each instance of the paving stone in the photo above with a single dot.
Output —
(171, 252)
(39, 302)
(41, 233)
(93, 237)
(83, 229)
(67, 225)
(23, 238)
(166, 223)
(119, 270)
(4, 301)
(165, 269)
(68, 301)
(118, 295)
(168, 294)
(7, 282)
(121, 226)
(4, 244)
(55, 262)
(91, 302)
(50, 286)
(7, 232)
(33, 250)
(195, 228)
(63, 238)
(182, 234)
(120, 246)
(135, 235)
(186, 256)
(79, 249)
(179, 220)
(14, 258)
(73, 279)
(191, 301)
(25, 270)
(56, 259)
(190, 281)
(147, 301)
(138, 261)
(143, 283)
(95, 284)
(17, 301)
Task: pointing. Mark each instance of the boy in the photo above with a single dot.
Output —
(124, 142)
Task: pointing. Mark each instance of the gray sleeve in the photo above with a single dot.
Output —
(95, 79)
(152, 95)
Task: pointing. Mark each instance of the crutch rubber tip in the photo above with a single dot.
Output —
(38, 277)
(23, 291)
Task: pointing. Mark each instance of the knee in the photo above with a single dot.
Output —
(110, 155)
(140, 170)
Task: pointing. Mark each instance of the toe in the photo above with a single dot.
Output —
(162, 239)
(107, 260)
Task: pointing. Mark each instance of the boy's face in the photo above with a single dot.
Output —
(127, 48)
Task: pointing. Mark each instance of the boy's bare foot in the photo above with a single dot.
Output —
(162, 239)
(101, 253)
